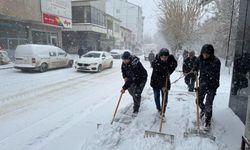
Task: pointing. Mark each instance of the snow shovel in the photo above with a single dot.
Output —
(99, 124)
(167, 137)
(116, 108)
(198, 131)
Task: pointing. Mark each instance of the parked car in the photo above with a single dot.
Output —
(117, 53)
(94, 61)
(41, 57)
(4, 59)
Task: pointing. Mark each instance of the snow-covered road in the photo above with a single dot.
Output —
(59, 110)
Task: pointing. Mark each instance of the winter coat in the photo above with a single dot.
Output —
(188, 65)
(185, 54)
(80, 52)
(209, 71)
(134, 72)
(161, 70)
(151, 56)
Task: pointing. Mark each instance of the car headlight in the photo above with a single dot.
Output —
(93, 63)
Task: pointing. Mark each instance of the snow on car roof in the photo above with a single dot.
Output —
(99, 52)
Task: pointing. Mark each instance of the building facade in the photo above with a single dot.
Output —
(240, 89)
(131, 17)
(24, 22)
(89, 30)
(113, 32)
(127, 38)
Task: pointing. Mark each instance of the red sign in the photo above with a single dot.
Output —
(57, 21)
(49, 19)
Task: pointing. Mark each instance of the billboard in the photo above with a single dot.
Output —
(57, 12)
(57, 21)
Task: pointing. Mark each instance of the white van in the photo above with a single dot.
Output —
(41, 57)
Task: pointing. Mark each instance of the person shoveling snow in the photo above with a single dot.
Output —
(208, 66)
(135, 77)
(163, 66)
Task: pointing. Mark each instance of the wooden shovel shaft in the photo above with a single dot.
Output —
(197, 104)
(116, 108)
(164, 103)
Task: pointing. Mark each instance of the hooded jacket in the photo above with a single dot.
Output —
(161, 70)
(134, 72)
(209, 68)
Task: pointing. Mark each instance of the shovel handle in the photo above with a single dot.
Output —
(164, 103)
(197, 103)
(116, 108)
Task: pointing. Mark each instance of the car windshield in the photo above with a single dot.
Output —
(93, 55)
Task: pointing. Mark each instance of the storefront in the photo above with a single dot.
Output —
(88, 40)
(240, 90)
(14, 33)
(89, 30)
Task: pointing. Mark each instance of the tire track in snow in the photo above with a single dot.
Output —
(19, 101)
(48, 133)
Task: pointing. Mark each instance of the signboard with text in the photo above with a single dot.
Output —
(57, 13)
(57, 21)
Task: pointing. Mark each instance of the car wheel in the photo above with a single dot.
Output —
(111, 64)
(70, 64)
(44, 67)
(99, 68)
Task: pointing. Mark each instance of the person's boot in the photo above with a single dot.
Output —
(208, 124)
(135, 113)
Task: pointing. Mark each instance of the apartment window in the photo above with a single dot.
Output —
(97, 17)
(81, 14)
(77, 14)
(110, 24)
(87, 15)
(117, 27)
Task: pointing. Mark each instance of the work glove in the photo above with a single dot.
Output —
(122, 91)
(164, 89)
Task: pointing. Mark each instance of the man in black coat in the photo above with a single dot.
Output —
(151, 57)
(80, 52)
(209, 80)
(187, 68)
(163, 66)
(135, 77)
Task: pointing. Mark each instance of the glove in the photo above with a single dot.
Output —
(126, 79)
(164, 89)
(122, 91)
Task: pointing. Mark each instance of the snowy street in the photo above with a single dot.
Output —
(60, 110)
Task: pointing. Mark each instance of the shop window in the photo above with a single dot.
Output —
(39, 37)
(4, 43)
(13, 44)
(23, 41)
